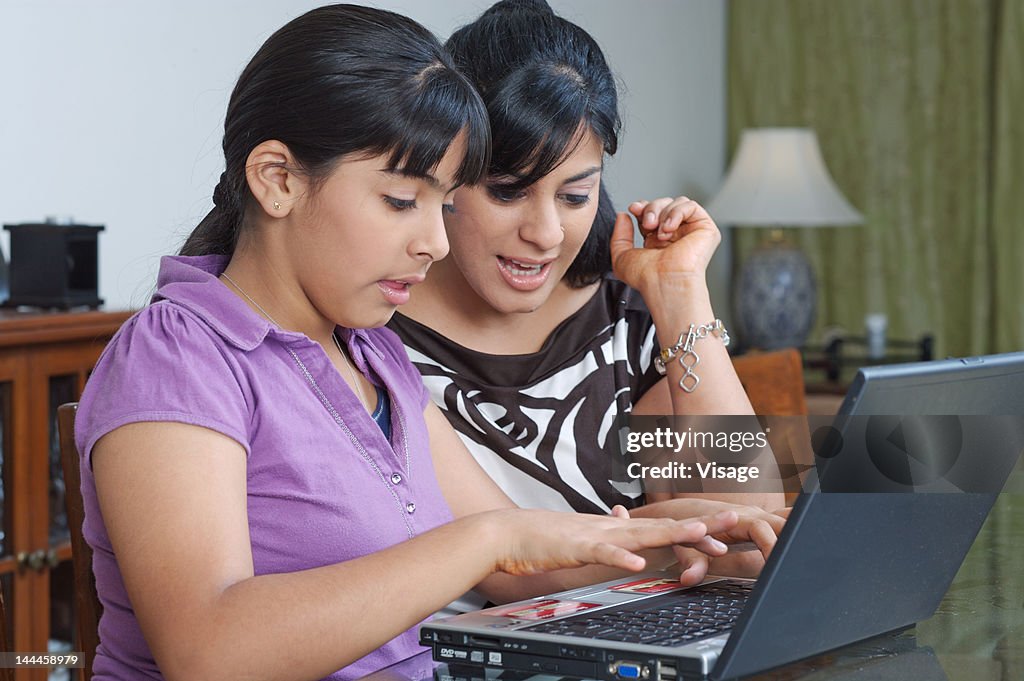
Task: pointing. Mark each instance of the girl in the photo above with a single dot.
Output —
(267, 493)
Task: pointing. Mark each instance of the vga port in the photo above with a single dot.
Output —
(625, 669)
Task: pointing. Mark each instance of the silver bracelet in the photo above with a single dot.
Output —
(683, 349)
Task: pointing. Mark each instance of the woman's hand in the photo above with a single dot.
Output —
(754, 534)
(751, 541)
(535, 541)
(679, 240)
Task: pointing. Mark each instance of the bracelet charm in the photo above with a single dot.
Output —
(683, 351)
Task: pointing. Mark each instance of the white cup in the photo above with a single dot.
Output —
(875, 325)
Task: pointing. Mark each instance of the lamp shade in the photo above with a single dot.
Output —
(778, 178)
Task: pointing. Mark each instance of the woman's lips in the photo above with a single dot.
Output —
(524, 275)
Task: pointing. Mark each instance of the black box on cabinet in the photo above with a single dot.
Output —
(54, 265)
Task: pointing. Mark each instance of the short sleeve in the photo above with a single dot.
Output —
(165, 364)
(646, 376)
(642, 341)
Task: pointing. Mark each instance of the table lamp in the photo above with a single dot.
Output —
(778, 179)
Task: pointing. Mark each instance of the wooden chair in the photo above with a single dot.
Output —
(5, 674)
(87, 603)
(774, 382)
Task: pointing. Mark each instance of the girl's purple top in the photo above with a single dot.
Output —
(323, 484)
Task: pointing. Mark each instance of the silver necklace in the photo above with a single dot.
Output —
(250, 299)
(351, 371)
(334, 337)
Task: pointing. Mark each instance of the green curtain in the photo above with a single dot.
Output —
(911, 100)
(1008, 180)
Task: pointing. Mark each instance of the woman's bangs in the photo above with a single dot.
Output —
(534, 134)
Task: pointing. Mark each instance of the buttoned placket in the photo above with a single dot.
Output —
(360, 360)
(407, 506)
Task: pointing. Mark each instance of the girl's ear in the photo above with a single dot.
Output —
(275, 187)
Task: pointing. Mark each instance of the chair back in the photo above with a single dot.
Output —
(87, 603)
(774, 382)
(6, 674)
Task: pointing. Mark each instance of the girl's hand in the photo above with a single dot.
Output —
(679, 240)
(535, 541)
(756, 526)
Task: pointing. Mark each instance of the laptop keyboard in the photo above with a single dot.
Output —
(669, 620)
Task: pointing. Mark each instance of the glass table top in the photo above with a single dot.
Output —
(977, 633)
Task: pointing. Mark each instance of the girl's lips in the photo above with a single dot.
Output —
(523, 275)
(395, 292)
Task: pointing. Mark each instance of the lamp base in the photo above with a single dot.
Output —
(776, 299)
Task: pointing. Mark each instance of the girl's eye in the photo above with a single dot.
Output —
(400, 204)
(448, 207)
(576, 200)
(505, 194)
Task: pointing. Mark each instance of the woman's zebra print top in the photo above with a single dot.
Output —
(543, 425)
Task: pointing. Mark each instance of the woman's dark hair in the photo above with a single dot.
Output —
(338, 80)
(540, 77)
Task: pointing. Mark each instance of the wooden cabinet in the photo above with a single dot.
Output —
(45, 359)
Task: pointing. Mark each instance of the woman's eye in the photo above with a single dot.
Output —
(400, 204)
(576, 200)
(505, 194)
(448, 207)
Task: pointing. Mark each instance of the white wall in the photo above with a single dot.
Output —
(111, 111)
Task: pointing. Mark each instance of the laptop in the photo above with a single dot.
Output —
(888, 659)
(882, 658)
(854, 560)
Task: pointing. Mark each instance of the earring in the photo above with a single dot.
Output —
(277, 206)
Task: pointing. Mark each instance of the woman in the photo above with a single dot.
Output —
(258, 457)
(525, 343)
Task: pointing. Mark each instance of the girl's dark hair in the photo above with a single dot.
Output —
(344, 79)
(540, 77)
